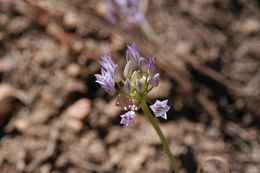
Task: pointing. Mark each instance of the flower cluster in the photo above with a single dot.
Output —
(133, 85)
(125, 11)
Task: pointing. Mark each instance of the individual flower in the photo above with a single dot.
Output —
(147, 64)
(106, 81)
(109, 75)
(160, 108)
(109, 66)
(156, 79)
(128, 118)
(132, 54)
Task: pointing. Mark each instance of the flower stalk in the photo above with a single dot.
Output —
(132, 88)
(158, 130)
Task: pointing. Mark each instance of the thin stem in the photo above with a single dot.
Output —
(157, 128)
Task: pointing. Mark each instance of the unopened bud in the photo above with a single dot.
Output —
(128, 69)
(140, 85)
(143, 64)
(127, 86)
(117, 76)
(155, 80)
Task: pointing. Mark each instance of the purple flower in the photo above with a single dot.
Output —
(109, 75)
(151, 64)
(133, 85)
(147, 65)
(109, 11)
(128, 118)
(106, 81)
(160, 108)
(132, 54)
(107, 63)
(125, 12)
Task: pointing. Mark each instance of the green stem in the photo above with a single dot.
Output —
(157, 128)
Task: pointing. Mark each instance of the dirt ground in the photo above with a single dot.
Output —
(55, 118)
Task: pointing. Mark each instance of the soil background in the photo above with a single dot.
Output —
(55, 118)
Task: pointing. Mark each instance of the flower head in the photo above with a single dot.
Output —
(133, 86)
(128, 118)
(160, 108)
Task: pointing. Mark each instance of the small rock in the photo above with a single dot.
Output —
(71, 20)
(77, 46)
(61, 162)
(189, 139)
(101, 9)
(163, 90)
(73, 70)
(6, 102)
(79, 110)
(2, 36)
(73, 86)
(75, 125)
(18, 25)
(251, 26)
(111, 109)
(45, 168)
(183, 48)
(21, 125)
(117, 42)
(4, 18)
(97, 150)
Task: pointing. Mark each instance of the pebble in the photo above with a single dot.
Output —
(6, 102)
(111, 109)
(162, 90)
(73, 70)
(2, 36)
(117, 42)
(71, 20)
(18, 25)
(75, 125)
(79, 110)
(21, 125)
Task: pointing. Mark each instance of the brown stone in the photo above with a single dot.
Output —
(79, 110)
(6, 102)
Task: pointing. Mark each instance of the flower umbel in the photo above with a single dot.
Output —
(160, 108)
(133, 86)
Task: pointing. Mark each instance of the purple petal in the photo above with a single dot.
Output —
(160, 108)
(128, 118)
(132, 54)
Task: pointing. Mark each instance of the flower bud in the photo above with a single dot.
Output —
(143, 64)
(155, 80)
(128, 69)
(117, 76)
(127, 86)
(140, 85)
(151, 65)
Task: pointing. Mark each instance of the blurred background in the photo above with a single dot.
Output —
(55, 118)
